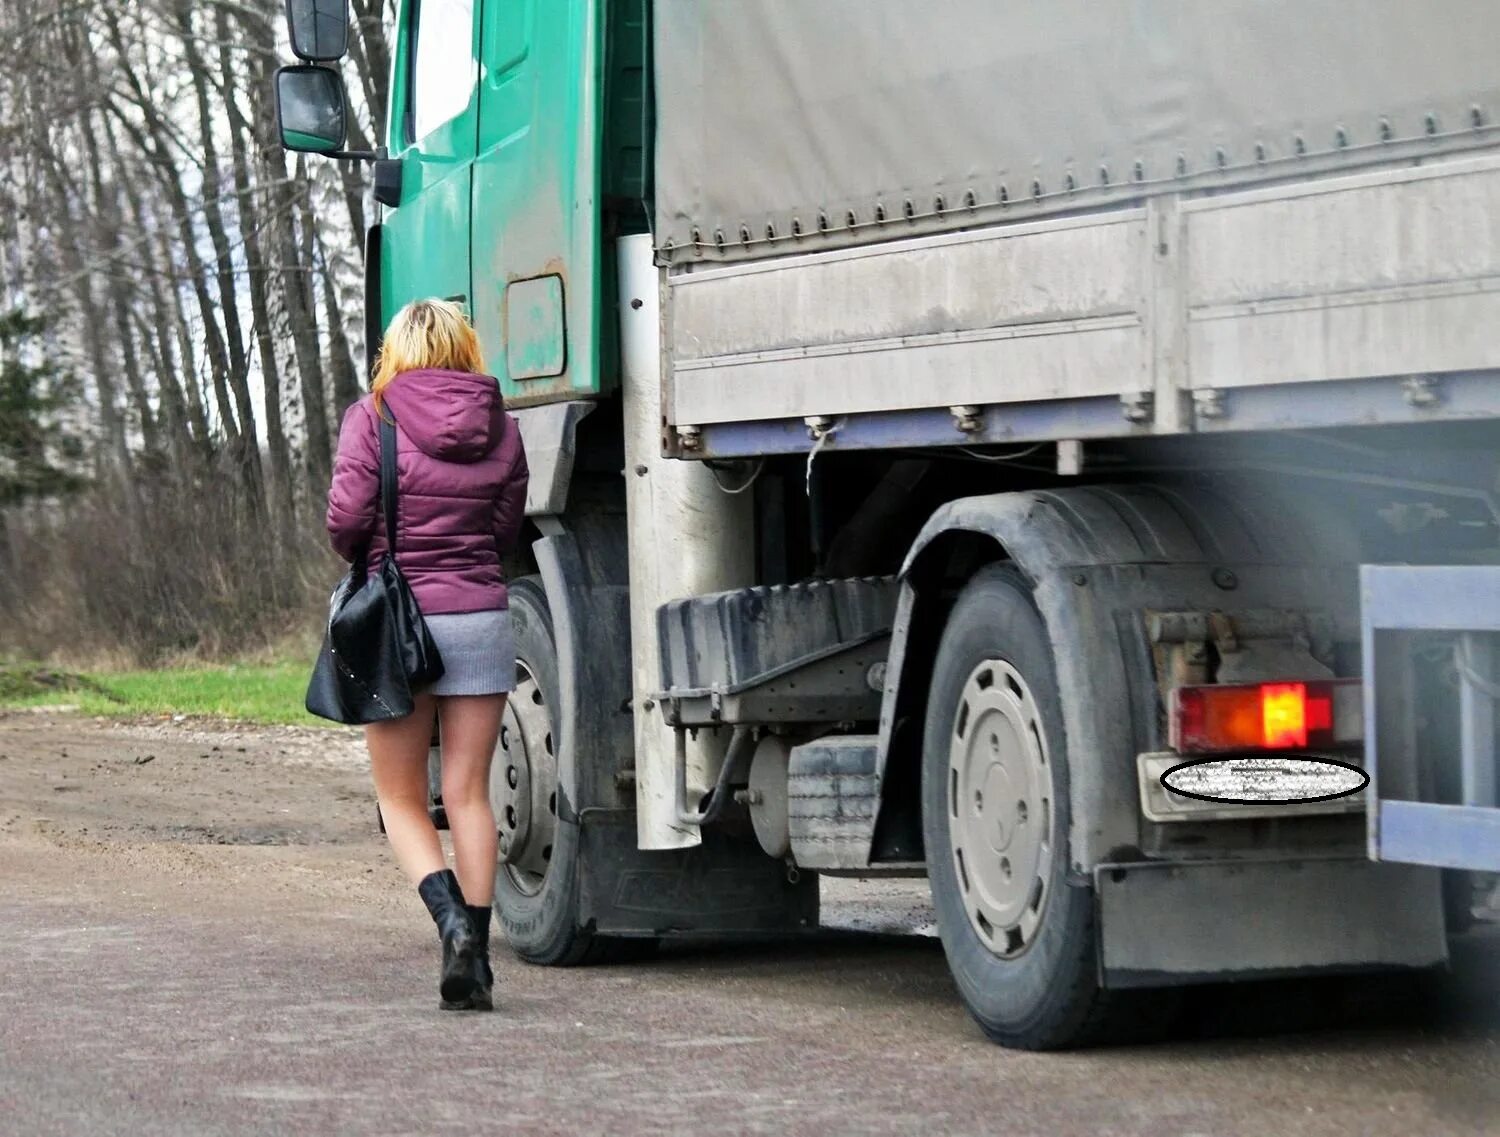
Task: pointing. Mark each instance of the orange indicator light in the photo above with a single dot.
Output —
(1283, 713)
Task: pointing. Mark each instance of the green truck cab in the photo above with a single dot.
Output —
(516, 142)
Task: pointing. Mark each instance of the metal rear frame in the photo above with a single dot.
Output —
(1463, 599)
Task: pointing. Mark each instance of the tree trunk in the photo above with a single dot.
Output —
(370, 51)
(192, 384)
(115, 457)
(345, 376)
(247, 444)
(9, 569)
(248, 137)
(297, 277)
(108, 223)
(160, 323)
(351, 180)
(153, 142)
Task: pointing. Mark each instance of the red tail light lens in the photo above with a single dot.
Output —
(1316, 715)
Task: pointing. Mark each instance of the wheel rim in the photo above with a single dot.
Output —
(1000, 815)
(523, 784)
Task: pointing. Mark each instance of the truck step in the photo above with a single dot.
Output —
(802, 652)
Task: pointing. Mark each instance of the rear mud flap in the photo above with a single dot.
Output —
(723, 887)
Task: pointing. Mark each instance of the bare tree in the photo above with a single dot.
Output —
(200, 284)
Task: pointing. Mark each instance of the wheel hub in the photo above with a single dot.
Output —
(1000, 816)
(990, 807)
(523, 784)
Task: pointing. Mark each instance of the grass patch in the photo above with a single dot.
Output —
(23, 684)
(262, 693)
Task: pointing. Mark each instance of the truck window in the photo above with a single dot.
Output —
(442, 64)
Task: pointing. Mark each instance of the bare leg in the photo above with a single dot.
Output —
(470, 727)
(398, 763)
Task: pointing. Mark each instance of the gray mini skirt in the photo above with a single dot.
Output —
(478, 650)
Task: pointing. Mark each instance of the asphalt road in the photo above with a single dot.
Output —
(209, 941)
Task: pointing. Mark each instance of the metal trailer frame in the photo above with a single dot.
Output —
(1456, 598)
(1178, 315)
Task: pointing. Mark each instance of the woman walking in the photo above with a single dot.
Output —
(461, 475)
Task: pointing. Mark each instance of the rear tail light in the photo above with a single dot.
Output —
(1319, 714)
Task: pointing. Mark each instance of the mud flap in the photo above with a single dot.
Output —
(723, 887)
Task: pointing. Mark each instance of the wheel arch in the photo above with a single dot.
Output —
(1088, 552)
(580, 564)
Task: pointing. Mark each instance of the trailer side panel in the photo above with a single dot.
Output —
(786, 126)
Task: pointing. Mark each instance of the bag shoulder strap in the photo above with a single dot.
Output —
(388, 491)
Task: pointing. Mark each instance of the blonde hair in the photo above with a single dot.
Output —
(426, 334)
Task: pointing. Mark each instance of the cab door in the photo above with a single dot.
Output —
(433, 124)
(535, 208)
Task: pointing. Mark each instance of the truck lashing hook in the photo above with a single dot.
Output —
(741, 746)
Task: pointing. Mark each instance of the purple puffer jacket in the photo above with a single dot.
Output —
(461, 476)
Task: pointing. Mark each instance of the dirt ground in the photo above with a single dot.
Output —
(200, 934)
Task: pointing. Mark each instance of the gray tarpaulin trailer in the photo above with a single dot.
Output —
(1121, 334)
(1082, 219)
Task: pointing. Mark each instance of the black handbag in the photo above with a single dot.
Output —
(377, 649)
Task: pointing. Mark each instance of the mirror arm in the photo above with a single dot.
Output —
(387, 171)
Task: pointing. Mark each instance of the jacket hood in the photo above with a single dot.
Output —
(456, 416)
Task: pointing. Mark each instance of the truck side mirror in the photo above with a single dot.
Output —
(320, 29)
(310, 109)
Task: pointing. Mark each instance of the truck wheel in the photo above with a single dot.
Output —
(1018, 936)
(536, 882)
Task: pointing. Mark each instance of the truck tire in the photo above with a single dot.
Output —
(536, 882)
(1018, 935)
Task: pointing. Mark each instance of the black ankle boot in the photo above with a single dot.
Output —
(482, 998)
(445, 900)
